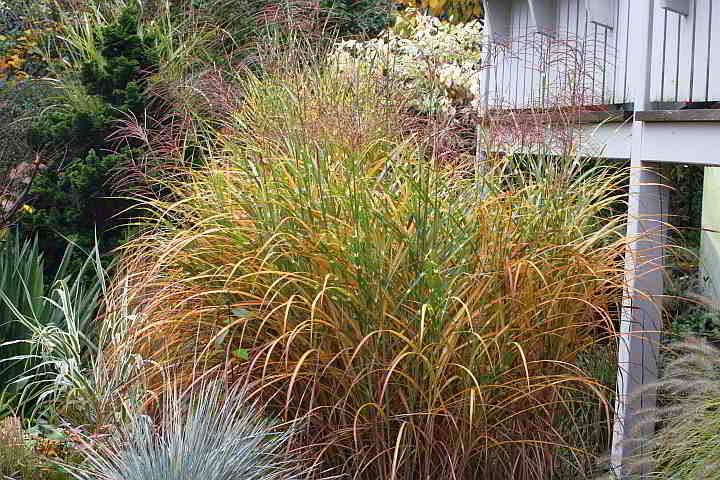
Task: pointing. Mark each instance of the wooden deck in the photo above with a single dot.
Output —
(581, 52)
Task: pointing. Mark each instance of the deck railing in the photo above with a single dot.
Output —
(569, 53)
(686, 60)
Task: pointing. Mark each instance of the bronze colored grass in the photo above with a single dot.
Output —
(421, 320)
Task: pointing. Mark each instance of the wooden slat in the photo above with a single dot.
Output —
(678, 115)
(713, 63)
(699, 85)
(560, 117)
(625, 66)
(540, 71)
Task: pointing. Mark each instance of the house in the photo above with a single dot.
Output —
(710, 235)
(637, 80)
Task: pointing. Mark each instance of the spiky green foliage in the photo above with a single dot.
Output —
(210, 432)
(73, 364)
(29, 310)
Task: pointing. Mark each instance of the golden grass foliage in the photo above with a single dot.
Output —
(421, 320)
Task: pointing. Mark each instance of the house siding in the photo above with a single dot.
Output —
(710, 240)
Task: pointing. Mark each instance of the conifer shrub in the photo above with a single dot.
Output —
(73, 195)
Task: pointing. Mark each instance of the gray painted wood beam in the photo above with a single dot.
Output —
(497, 13)
(641, 321)
(678, 6)
(641, 316)
(544, 16)
(602, 12)
(697, 115)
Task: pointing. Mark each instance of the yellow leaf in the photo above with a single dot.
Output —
(15, 62)
(3, 37)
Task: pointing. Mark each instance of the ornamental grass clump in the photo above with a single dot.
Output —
(420, 320)
(207, 432)
(687, 442)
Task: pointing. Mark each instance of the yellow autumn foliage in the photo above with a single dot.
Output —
(457, 11)
(19, 58)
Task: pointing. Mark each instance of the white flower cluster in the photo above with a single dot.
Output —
(439, 61)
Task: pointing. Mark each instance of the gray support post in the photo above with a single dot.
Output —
(641, 319)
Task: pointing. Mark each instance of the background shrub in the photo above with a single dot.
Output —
(72, 197)
(20, 104)
(438, 62)
(457, 11)
(24, 26)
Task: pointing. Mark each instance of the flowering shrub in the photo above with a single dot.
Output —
(455, 10)
(437, 60)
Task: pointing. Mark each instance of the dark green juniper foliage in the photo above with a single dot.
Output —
(71, 198)
(364, 18)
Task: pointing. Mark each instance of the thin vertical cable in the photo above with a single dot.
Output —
(616, 41)
(692, 50)
(525, 59)
(677, 60)
(604, 64)
(516, 61)
(709, 45)
(627, 51)
(585, 66)
(662, 70)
